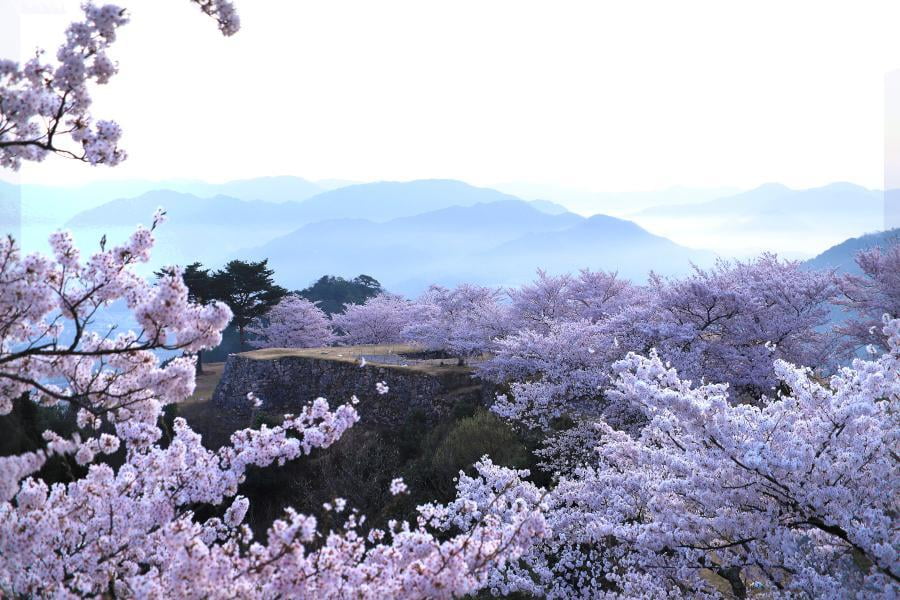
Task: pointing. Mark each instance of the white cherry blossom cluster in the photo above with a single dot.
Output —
(294, 322)
(223, 12)
(795, 497)
(379, 320)
(728, 324)
(590, 295)
(868, 295)
(398, 486)
(132, 530)
(45, 107)
(464, 321)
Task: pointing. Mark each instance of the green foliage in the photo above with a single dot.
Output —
(361, 465)
(469, 440)
(249, 289)
(358, 468)
(21, 430)
(332, 293)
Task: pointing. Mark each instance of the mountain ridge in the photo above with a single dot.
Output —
(410, 253)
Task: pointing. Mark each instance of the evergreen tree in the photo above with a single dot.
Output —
(249, 290)
(332, 293)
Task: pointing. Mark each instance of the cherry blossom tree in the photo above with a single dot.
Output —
(294, 322)
(740, 316)
(727, 324)
(464, 321)
(600, 294)
(869, 296)
(132, 530)
(546, 301)
(551, 298)
(562, 372)
(45, 107)
(97, 371)
(792, 498)
(379, 320)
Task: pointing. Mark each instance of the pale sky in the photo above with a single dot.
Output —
(607, 96)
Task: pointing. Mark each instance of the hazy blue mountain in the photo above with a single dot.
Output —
(485, 223)
(188, 210)
(43, 209)
(491, 220)
(842, 256)
(43, 201)
(775, 198)
(269, 189)
(386, 200)
(498, 243)
(771, 217)
(333, 184)
(441, 240)
(600, 242)
(551, 208)
(620, 204)
(55, 205)
(209, 230)
(373, 201)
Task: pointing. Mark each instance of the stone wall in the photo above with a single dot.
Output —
(286, 383)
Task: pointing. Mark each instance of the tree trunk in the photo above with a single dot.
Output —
(199, 362)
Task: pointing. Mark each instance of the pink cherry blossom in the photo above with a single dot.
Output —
(132, 530)
(398, 486)
(294, 322)
(792, 498)
(870, 295)
(45, 107)
(379, 320)
(465, 321)
(591, 296)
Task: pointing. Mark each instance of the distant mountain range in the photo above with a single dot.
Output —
(777, 199)
(209, 230)
(618, 204)
(600, 242)
(794, 222)
(409, 234)
(386, 200)
(212, 229)
(842, 257)
(496, 243)
(380, 201)
(45, 208)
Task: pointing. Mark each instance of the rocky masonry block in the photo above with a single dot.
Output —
(285, 384)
